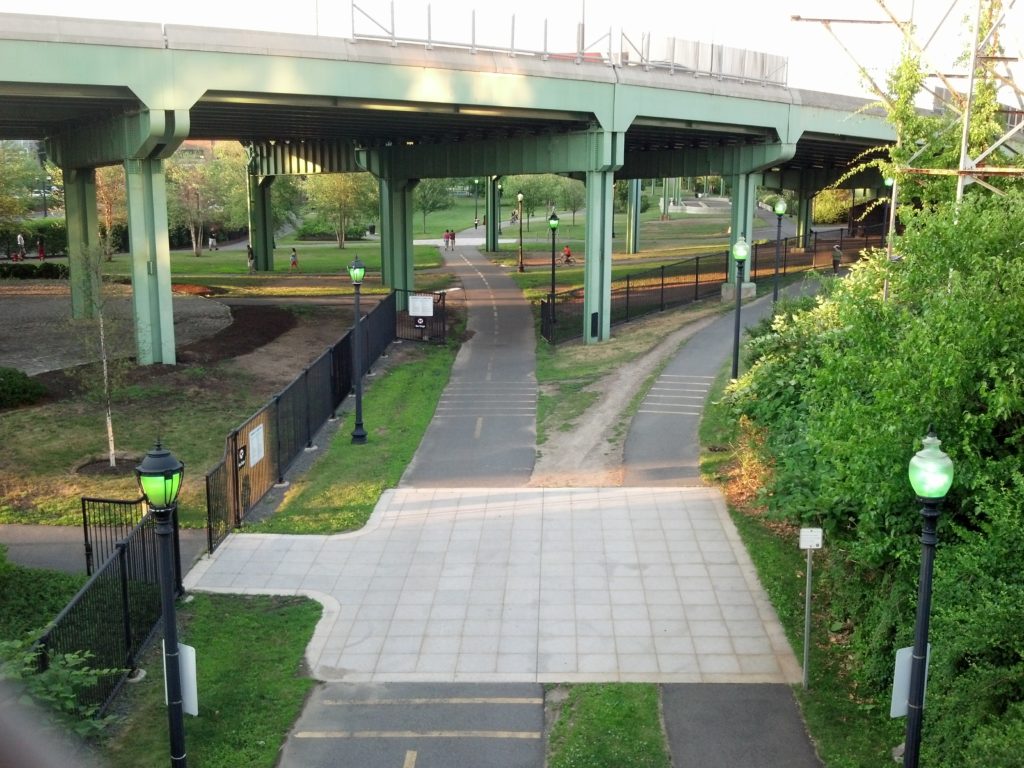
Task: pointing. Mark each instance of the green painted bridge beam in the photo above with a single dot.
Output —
(633, 217)
(144, 135)
(492, 216)
(83, 240)
(396, 246)
(261, 222)
(297, 158)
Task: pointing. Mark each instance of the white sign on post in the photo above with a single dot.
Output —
(421, 306)
(901, 680)
(187, 673)
(256, 449)
(811, 538)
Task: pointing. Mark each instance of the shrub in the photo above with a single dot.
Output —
(24, 270)
(16, 388)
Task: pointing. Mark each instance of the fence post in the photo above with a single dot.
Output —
(696, 278)
(209, 519)
(277, 436)
(88, 543)
(627, 298)
(126, 626)
(785, 255)
(662, 298)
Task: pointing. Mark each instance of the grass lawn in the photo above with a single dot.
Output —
(31, 597)
(337, 493)
(252, 684)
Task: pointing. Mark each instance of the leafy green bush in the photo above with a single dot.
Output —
(25, 270)
(842, 393)
(16, 388)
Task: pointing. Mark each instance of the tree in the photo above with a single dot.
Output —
(432, 195)
(111, 205)
(206, 187)
(343, 199)
(573, 195)
(17, 166)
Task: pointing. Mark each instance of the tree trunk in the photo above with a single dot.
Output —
(106, 389)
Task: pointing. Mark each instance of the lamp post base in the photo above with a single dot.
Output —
(359, 435)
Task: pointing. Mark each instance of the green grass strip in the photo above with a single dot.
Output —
(341, 489)
(609, 726)
(251, 684)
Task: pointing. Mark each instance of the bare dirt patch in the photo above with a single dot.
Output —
(590, 455)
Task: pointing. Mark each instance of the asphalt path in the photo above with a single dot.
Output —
(483, 433)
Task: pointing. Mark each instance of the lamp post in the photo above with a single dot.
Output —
(476, 201)
(931, 475)
(499, 207)
(553, 223)
(780, 211)
(159, 477)
(356, 271)
(519, 211)
(740, 252)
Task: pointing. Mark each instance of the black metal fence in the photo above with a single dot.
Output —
(696, 278)
(114, 613)
(105, 522)
(259, 452)
(432, 327)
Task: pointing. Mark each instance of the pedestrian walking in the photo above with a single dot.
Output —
(20, 250)
(250, 258)
(837, 257)
(451, 239)
(447, 236)
(476, 222)
(40, 248)
(295, 260)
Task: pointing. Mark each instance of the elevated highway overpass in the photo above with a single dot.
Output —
(102, 92)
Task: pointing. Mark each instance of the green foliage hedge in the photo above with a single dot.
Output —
(34, 270)
(842, 394)
(16, 388)
(53, 230)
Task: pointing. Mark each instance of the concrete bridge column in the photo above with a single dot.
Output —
(83, 240)
(493, 217)
(396, 214)
(261, 225)
(597, 277)
(633, 217)
(151, 261)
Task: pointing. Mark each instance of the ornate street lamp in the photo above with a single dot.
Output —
(780, 211)
(553, 223)
(159, 477)
(500, 192)
(356, 271)
(931, 475)
(519, 200)
(476, 201)
(740, 252)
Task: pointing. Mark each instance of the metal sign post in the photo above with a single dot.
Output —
(810, 539)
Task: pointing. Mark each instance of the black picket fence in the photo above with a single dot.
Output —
(113, 615)
(259, 452)
(699, 277)
(105, 522)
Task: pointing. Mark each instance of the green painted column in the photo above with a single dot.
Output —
(151, 261)
(83, 239)
(633, 217)
(491, 211)
(744, 203)
(261, 224)
(597, 277)
(396, 219)
(805, 213)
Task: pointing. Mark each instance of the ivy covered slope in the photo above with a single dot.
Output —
(841, 395)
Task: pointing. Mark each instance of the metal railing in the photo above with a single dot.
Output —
(669, 53)
(698, 277)
(113, 615)
(432, 328)
(105, 522)
(259, 452)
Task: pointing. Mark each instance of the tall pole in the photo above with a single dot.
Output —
(476, 201)
(778, 257)
(499, 208)
(358, 434)
(736, 334)
(175, 712)
(919, 660)
(551, 297)
(519, 209)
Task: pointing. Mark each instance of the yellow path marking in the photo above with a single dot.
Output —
(418, 735)
(475, 700)
(410, 759)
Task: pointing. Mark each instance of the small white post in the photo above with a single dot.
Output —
(810, 539)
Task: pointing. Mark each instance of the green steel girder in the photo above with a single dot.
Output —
(716, 161)
(83, 240)
(302, 157)
(144, 135)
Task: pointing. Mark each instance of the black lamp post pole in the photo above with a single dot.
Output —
(175, 712)
(551, 298)
(919, 660)
(520, 212)
(778, 256)
(736, 334)
(358, 434)
(476, 200)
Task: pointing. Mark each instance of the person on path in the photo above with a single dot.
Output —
(250, 258)
(476, 222)
(40, 248)
(20, 251)
(451, 239)
(295, 260)
(567, 256)
(837, 258)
